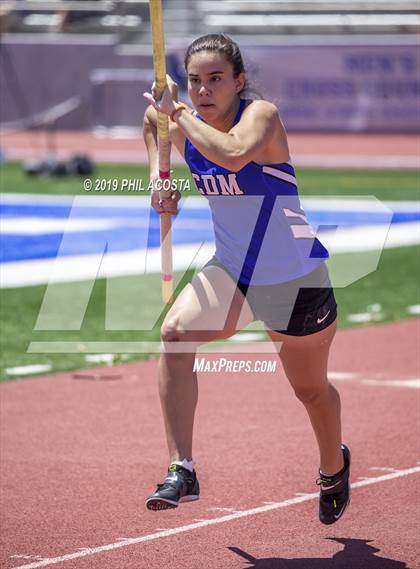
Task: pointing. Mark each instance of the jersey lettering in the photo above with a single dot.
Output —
(221, 184)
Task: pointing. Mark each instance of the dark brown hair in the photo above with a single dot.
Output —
(219, 43)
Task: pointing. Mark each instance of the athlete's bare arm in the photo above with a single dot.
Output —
(259, 136)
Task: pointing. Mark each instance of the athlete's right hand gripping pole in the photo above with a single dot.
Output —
(164, 147)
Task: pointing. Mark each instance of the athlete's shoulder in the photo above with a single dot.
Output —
(262, 108)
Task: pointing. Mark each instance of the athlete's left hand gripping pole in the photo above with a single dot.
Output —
(164, 147)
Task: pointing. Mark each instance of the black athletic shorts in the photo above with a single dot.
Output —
(298, 307)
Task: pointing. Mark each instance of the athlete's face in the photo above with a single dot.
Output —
(212, 86)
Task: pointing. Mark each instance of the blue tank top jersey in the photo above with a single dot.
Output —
(261, 232)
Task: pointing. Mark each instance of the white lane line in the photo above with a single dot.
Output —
(25, 557)
(100, 358)
(360, 317)
(316, 203)
(413, 309)
(29, 369)
(373, 314)
(205, 523)
(413, 383)
(383, 468)
(88, 200)
(50, 225)
(342, 375)
(36, 557)
(371, 237)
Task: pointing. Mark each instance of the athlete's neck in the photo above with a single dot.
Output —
(225, 122)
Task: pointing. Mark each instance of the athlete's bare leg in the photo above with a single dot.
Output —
(305, 360)
(209, 308)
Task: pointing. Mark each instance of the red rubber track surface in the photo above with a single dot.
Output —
(80, 456)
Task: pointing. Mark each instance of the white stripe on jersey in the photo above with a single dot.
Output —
(302, 231)
(279, 174)
(290, 213)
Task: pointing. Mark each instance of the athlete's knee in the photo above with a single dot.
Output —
(173, 343)
(176, 337)
(172, 331)
(312, 394)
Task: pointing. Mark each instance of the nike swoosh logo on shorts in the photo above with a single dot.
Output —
(322, 319)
